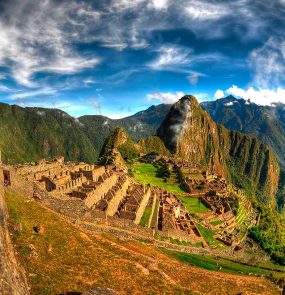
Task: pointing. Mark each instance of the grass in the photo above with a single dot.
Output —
(76, 261)
(220, 264)
(216, 222)
(155, 214)
(209, 237)
(146, 173)
(178, 242)
(146, 216)
(193, 205)
(79, 260)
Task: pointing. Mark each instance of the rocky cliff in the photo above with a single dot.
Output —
(189, 132)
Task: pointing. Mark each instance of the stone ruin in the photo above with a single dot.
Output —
(103, 190)
(108, 191)
(174, 220)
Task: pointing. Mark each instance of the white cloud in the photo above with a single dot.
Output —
(158, 4)
(42, 40)
(89, 81)
(193, 78)
(165, 97)
(4, 88)
(207, 11)
(259, 96)
(47, 91)
(219, 94)
(171, 56)
(268, 64)
(115, 116)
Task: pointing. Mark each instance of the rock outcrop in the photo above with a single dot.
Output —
(189, 132)
(12, 279)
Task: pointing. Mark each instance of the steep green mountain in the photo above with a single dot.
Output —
(139, 126)
(29, 134)
(190, 133)
(118, 146)
(267, 123)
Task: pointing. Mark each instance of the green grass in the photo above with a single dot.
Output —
(146, 216)
(193, 205)
(146, 174)
(155, 214)
(209, 237)
(216, 222)
(220, 264)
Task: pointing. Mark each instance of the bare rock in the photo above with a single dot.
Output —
(39, 229)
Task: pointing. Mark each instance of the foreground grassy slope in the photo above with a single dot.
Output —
(66, 259)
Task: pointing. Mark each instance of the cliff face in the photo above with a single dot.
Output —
(12, 279)
(252, 159)
(190, 133)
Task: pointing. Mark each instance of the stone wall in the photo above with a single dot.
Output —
(12, 278)
(142, 206)
(18, 184)
(101, 190)
(115, 201)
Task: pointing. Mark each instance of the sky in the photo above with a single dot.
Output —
(117, 57)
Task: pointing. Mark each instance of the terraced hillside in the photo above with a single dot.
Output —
(64, 258)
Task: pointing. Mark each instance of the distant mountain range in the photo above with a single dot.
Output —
(267, 123)
(29, 134)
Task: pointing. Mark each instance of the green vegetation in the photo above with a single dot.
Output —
(208, 235)
(216, 222)
(270, 234)
(153, 144)
(146, 215)
(30, 134)
(220, 264)
(146, 173)
(129, 151)
(193, 205)
(178, 242)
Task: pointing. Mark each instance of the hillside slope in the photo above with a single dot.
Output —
(66, 259)
(29, 134)
(190, 133)
(267, 123)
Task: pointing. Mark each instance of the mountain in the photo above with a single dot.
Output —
(267, 123)
(119, 147)
(190, 133)
(139, 126)
(29, 134)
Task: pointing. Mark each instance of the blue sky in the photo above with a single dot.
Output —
(118, 57)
